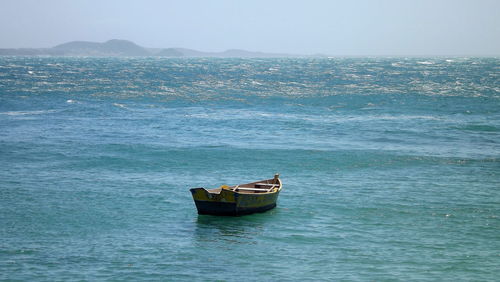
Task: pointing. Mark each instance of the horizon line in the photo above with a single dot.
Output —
(283, 54)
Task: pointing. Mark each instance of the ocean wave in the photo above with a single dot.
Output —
(27, 113)
(480, 128)
(425, 63)
(239, 114)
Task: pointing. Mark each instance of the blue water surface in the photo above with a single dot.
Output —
(391, 168)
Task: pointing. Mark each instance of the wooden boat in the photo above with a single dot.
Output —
(240, 199)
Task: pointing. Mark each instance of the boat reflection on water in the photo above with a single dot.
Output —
(232, 229)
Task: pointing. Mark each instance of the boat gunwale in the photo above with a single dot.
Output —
(229, 189)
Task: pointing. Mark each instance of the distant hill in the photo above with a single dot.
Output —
(125, 48)
(28, 52)
(113, 47)
(170, 52)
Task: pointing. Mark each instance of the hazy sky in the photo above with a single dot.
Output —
(350, 27)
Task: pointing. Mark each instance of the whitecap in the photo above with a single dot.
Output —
(119, 105)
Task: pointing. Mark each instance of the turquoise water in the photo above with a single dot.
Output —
(391, 168)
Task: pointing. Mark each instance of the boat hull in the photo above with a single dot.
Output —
(232, 203)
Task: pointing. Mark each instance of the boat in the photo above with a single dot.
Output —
(241, 199)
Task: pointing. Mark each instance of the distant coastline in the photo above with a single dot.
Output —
(125, 48)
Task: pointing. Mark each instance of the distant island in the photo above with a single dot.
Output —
(125, 48)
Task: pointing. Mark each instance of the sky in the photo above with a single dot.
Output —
(331, 27)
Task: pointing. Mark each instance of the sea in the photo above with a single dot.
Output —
(390, 168)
